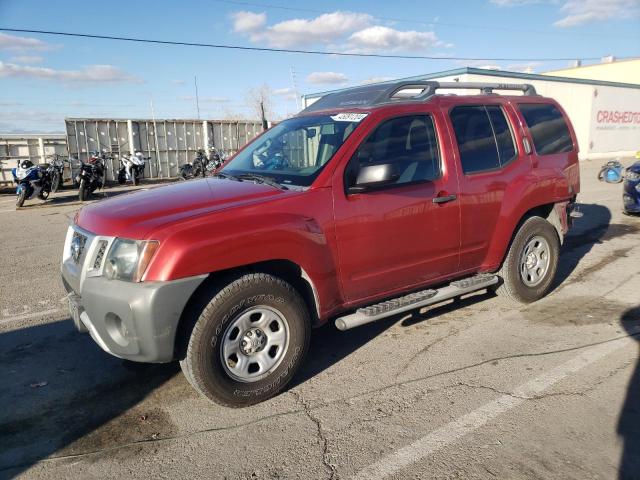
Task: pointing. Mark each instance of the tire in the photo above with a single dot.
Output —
(229, 316)
(21, 198)
(136, 180)
(83, 191)
(55, 182)
(527, 278)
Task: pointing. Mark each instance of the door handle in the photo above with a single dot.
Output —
(444, 198)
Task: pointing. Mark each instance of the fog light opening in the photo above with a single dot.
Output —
(116, 329)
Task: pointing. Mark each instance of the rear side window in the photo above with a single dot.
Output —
(548, 128)
(485, 141)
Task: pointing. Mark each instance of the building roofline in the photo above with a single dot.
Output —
(491, 73)
(592, 65)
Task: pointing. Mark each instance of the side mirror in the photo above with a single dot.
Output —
(374, 176)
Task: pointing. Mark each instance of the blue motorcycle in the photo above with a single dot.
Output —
(32, 180)
(631, 189)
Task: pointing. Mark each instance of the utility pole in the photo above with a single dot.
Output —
(195, 82)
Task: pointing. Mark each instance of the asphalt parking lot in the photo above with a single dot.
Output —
(472, 389)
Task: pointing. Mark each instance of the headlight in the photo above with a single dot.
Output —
(129, 259)
(633, 176)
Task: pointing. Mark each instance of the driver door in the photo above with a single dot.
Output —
(394, 237)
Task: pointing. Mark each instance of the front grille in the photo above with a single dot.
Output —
(102, 248)
(78, 242)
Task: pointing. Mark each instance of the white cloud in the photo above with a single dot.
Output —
(328, 27)
(379, 38)
(370, 80)
(286, 93)
(529, 67)
(89, 74)
(326, 78)
(27, 59)
(352, 31)
(248, 22)
(22, 44)
(579, 12)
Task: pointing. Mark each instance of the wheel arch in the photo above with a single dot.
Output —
(547, 211)
(285, 269)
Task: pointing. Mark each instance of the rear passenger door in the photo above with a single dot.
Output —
(484, 140)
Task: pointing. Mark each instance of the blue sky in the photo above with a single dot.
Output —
(45, 78)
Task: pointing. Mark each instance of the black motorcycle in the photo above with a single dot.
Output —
(195, 169)
(92, 174)
(55, 170)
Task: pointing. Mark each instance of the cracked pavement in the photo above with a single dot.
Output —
(67, 409)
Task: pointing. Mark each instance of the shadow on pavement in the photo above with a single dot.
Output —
(330, 345)
(593, 228)
(61, 394)
(629, 421)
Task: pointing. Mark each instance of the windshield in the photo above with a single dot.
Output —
(295, 151)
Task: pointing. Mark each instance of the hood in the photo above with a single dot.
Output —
(136, 214)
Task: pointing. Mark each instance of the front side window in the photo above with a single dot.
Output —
(548, 128)
(484, 139)
(296, 150)
(409, 143)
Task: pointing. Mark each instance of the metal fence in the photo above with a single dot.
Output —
(168, 143)
(27, 147)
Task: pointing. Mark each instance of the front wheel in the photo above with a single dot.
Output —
(248, 341)
(531, 263)
(83, 190)
(22, 195)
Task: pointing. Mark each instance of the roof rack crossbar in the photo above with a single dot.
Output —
(429, 89)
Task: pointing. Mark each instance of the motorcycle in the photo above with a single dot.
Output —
(55, 170)
(611, 172)
(92, 174)
(131, 168)
(33, 180)
(631, 189)
(195, 169)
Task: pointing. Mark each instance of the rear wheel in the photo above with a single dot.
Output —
(55, 182)
(531, 263)
(83, 191)
(21, 198)
(248, 341)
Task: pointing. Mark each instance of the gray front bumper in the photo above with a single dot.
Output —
(135, 321)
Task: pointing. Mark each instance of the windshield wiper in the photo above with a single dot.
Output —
(227, 176)
(261, 179)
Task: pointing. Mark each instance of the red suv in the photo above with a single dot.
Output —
(372, 201)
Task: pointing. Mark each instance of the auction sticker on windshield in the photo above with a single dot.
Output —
(348, 117)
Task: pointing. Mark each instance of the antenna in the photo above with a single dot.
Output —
(295, 87)
(195, 82)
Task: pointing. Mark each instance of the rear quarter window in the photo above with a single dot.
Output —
(549, 130)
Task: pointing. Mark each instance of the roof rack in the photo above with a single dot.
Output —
(372, 95)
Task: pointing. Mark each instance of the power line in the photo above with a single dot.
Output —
(289, 50)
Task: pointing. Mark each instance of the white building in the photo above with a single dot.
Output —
(605, 115)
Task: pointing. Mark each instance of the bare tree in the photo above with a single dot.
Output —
(260, 102)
